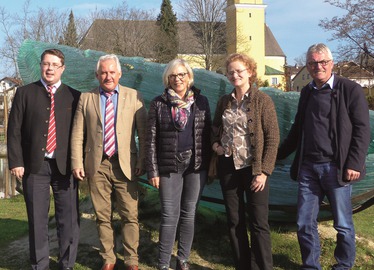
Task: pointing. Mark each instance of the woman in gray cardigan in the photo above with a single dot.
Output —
(246, 138)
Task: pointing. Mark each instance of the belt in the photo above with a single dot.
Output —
(113, 157)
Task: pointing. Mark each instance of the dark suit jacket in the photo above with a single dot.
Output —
(350, 128)
(28, 126)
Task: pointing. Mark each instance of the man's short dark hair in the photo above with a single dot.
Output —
(55, 52)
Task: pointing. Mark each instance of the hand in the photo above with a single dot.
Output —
(258, 182)
(218, 149)
(79, 174)
(18, 172)
(139, 172)
(351, 175)
(155, 181)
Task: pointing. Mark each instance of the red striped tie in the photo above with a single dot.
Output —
(109, 138)
(51, 140)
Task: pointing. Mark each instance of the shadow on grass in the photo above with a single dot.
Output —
(283, 262)
(11, 230)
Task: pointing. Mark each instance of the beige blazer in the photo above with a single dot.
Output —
(88, 128)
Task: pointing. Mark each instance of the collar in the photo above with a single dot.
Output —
(102, 92)
(55, 86)
(246, 95)
(329, 84)
(249, 94)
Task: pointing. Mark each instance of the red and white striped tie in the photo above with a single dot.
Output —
(51, 140)
(109, 138)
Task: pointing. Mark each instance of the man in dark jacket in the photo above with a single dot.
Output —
(331, 135)
(39, 128)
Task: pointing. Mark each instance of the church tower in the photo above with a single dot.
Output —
(245, 30)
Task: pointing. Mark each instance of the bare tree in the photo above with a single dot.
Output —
(46, 25)
(354, 30)
(207, 19)
(14, 28)
(121, 30)
(301, 60)
(8, 51)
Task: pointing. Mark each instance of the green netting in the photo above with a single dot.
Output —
(137, 72)
(147, 78)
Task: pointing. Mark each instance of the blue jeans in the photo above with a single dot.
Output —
(317, 180)
(179, 196)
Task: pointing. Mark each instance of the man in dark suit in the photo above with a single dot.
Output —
(38, 136)
(331, 136)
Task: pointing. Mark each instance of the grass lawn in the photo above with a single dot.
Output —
(211, 248)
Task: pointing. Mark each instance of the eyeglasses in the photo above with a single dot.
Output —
(316, 63)
(53, 66)
(238, 72)
(179, 75)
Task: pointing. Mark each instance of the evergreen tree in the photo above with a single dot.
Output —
(70, 34)
(166, 47)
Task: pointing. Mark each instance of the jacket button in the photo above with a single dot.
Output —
(250, 121)
(43, 149)
(44, 135)
(251, 134)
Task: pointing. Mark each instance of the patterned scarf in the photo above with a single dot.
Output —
(180, 109)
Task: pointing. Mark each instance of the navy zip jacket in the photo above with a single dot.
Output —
(349, 127)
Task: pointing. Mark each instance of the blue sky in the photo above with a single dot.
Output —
(294, 23)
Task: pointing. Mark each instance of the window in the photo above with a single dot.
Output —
(250, 38)
(274, 81)
(250, 15)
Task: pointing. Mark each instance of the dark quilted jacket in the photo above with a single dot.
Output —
(161, 145)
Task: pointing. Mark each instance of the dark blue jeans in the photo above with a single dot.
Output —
(179, 196)
(235, 186)
(317, 180)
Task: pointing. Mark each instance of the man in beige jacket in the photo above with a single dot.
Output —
(104, 152)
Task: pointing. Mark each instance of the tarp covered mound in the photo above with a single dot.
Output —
(146, 77)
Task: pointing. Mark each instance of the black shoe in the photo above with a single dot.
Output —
(19, 189)
(183, 265)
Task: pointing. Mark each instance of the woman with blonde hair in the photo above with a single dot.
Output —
(178, 142)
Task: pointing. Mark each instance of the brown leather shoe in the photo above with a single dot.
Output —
(108, 266)
(132, 267)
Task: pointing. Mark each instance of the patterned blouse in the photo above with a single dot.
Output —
(262, 126)
(235, 134)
